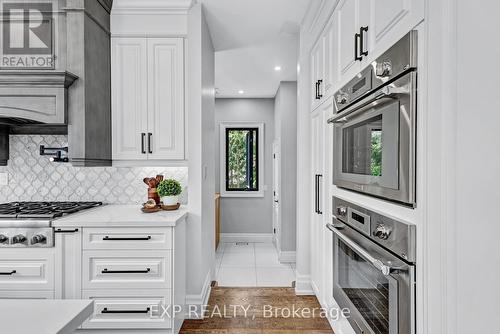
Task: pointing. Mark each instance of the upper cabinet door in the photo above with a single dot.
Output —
(165, 138)
(317, 74)
(391, 20)
(347, 16)
(330, 70)
(129, 98)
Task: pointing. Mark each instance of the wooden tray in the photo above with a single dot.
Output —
(170, 207)
(151, 210)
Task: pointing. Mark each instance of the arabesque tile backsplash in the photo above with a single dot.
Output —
(34, 178)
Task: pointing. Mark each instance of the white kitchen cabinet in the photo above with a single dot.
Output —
(129, 98)
(131, 272)
(165, 98)
(324, 65)
(317, 215)
(68, 263)
(317, 67)
(128, 309)
(148, 98)
(25, 269)
(127, 269)
(390, 20)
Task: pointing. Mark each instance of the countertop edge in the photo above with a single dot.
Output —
(91, 218)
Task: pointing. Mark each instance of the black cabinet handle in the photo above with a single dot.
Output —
(357, 38)
(106, 271)
(65, 231)
(318, 196)
(362, 32)
(143, 139)
(319, 89)
(316, 184)
(12, 272)
(106, 238)
(105, 310)
(149, 142)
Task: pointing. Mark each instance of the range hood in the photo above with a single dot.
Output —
(71, 96)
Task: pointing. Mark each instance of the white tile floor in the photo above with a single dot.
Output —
(252, 264)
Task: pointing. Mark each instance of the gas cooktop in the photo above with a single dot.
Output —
(29, 224)
(42, 210)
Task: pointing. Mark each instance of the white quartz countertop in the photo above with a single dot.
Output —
(122, 216)
(27, 316)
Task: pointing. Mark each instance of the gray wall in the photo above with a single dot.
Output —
(286, 133)
(248, 215)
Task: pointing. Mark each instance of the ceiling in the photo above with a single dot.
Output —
(251, 37)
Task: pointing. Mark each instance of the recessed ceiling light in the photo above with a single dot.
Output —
(277, 68)
(241, 92)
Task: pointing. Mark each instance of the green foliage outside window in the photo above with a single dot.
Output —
(376, 160)
(241, 156)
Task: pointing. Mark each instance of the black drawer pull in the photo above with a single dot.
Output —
(9, 273)
(107, 238)
(105, 310)
(66, 231)
(106, 271)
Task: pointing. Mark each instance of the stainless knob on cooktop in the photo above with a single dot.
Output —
(38, 239)
(18, 239)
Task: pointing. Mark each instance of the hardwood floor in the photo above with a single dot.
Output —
(249, 310)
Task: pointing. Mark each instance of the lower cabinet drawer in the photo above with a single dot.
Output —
(129, 309)
(127, 269)
(127, 238)
(27, 269)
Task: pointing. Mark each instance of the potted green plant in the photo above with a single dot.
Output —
(169, 191)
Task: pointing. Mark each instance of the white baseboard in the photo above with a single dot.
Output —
(196, 303)
(303, 285)
(246, 237)
(286, 256)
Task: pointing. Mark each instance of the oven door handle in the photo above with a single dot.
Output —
(387, 92)
(385, 269)
(359, 108)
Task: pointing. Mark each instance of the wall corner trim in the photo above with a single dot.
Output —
(195, 304)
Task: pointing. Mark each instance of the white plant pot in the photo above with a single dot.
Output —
(170, 200)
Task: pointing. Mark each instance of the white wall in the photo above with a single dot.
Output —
(246, 214)
(201, 156)
(477, 167)
(286, 134)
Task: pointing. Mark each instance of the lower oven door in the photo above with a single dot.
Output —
(376, 287)
(374, 143)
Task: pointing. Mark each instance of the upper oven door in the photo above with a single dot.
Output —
(374, 143)
(376, 287)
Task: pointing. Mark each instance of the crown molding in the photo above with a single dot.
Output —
(151, 7)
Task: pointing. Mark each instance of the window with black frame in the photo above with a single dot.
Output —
(242, 165)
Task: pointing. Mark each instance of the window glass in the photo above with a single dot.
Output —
(242, 159)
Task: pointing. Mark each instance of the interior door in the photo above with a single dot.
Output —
(276, 190)
(129, 98)
(165, 135)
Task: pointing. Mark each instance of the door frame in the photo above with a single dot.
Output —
(276, 192)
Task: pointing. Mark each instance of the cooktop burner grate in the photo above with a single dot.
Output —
(42, 210)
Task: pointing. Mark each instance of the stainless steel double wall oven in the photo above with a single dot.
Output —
(375, 126)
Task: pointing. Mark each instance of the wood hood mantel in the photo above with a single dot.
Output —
(74, 95)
